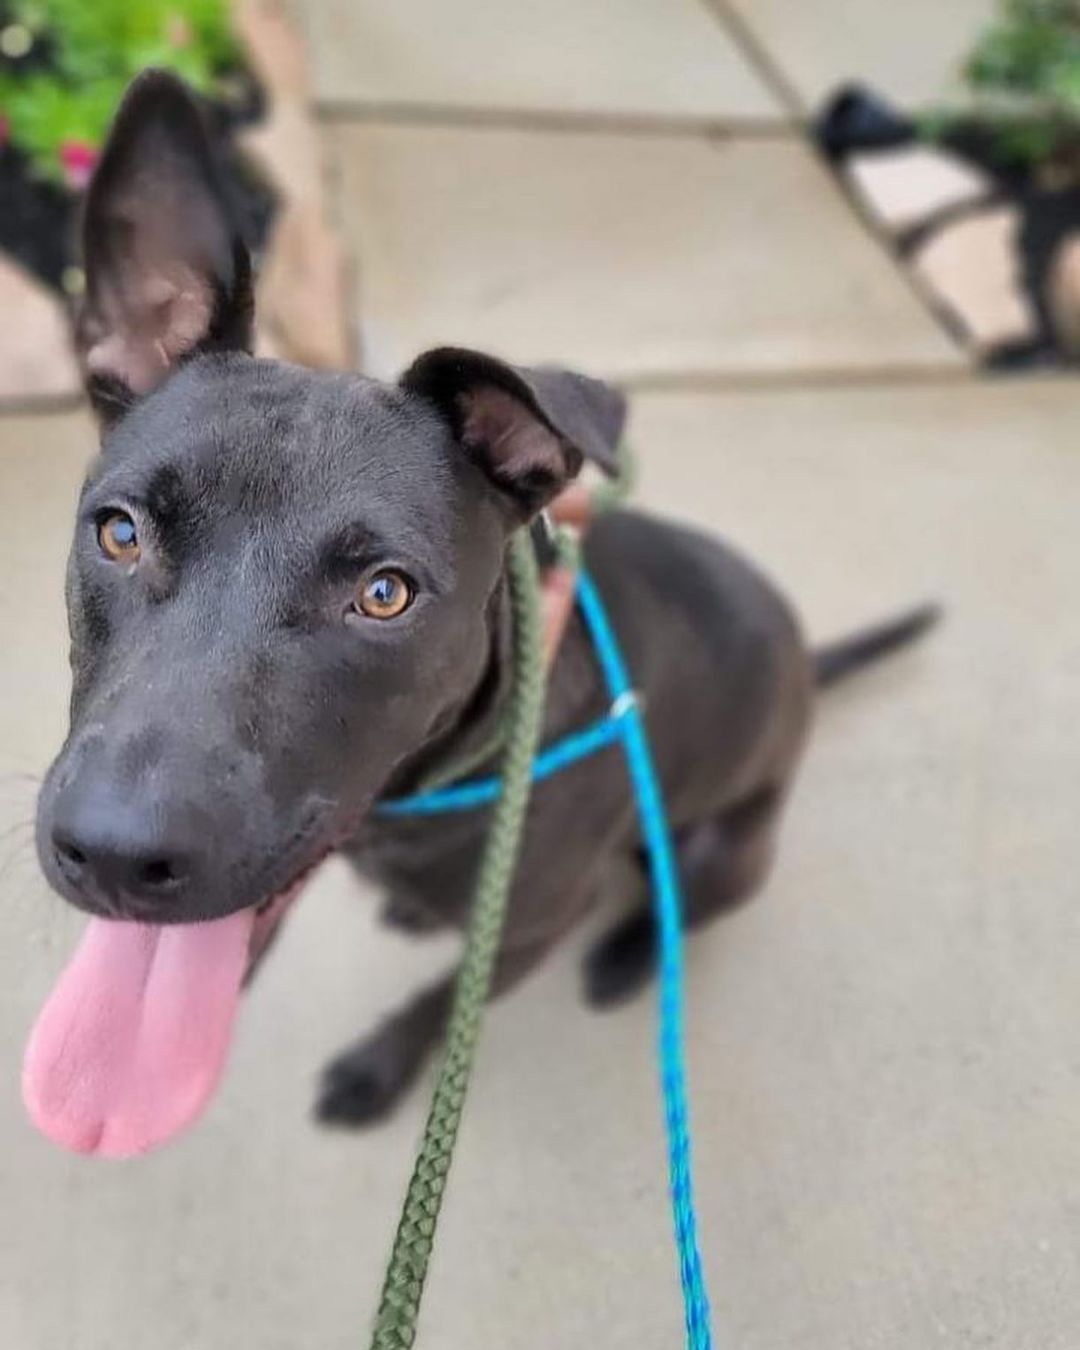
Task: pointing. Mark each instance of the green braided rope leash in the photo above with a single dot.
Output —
(399, 1307)
(519, 738)
(614, 490)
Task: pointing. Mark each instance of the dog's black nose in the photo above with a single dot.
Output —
(120, 854)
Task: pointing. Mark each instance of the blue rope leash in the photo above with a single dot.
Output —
(667, 901)
(624, 723)
(484, 791)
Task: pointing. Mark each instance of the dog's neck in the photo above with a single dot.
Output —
(466, 733)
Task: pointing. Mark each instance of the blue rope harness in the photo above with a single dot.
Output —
(624, 724)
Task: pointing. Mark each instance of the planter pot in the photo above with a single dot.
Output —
(993, 245)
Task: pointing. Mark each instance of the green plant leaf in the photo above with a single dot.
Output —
(99, 46)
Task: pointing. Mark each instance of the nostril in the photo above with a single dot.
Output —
(159, 873)
(69, 853)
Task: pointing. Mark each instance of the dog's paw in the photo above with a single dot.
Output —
(349, 1096)
(621, 964)
(408, 916)
(363, 1085)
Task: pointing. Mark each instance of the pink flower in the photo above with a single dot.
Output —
(178, 31)
(78, 159)
(5, 131)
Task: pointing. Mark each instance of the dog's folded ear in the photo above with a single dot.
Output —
(167, 273)
(529, 429)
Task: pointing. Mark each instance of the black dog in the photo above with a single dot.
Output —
(287, 599)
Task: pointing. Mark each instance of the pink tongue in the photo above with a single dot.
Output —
(132, 1042)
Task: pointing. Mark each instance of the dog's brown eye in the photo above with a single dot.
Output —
(384, 595)
(118, 538)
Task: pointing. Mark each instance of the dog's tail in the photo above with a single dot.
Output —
(839, 659)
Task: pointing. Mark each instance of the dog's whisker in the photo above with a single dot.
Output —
(22, 852)
(15, 826)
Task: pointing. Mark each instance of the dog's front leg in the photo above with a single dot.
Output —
(364, 1083)
(409, 915)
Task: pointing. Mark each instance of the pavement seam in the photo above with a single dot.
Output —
(919, 375)
(349, 112)
(759, 58)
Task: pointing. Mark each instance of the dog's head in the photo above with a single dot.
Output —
(283, 584)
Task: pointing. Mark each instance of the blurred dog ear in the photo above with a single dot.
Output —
(530, 429)
(167, 273)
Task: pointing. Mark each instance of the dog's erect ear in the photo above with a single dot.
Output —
(167, 273)
(529, 429)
